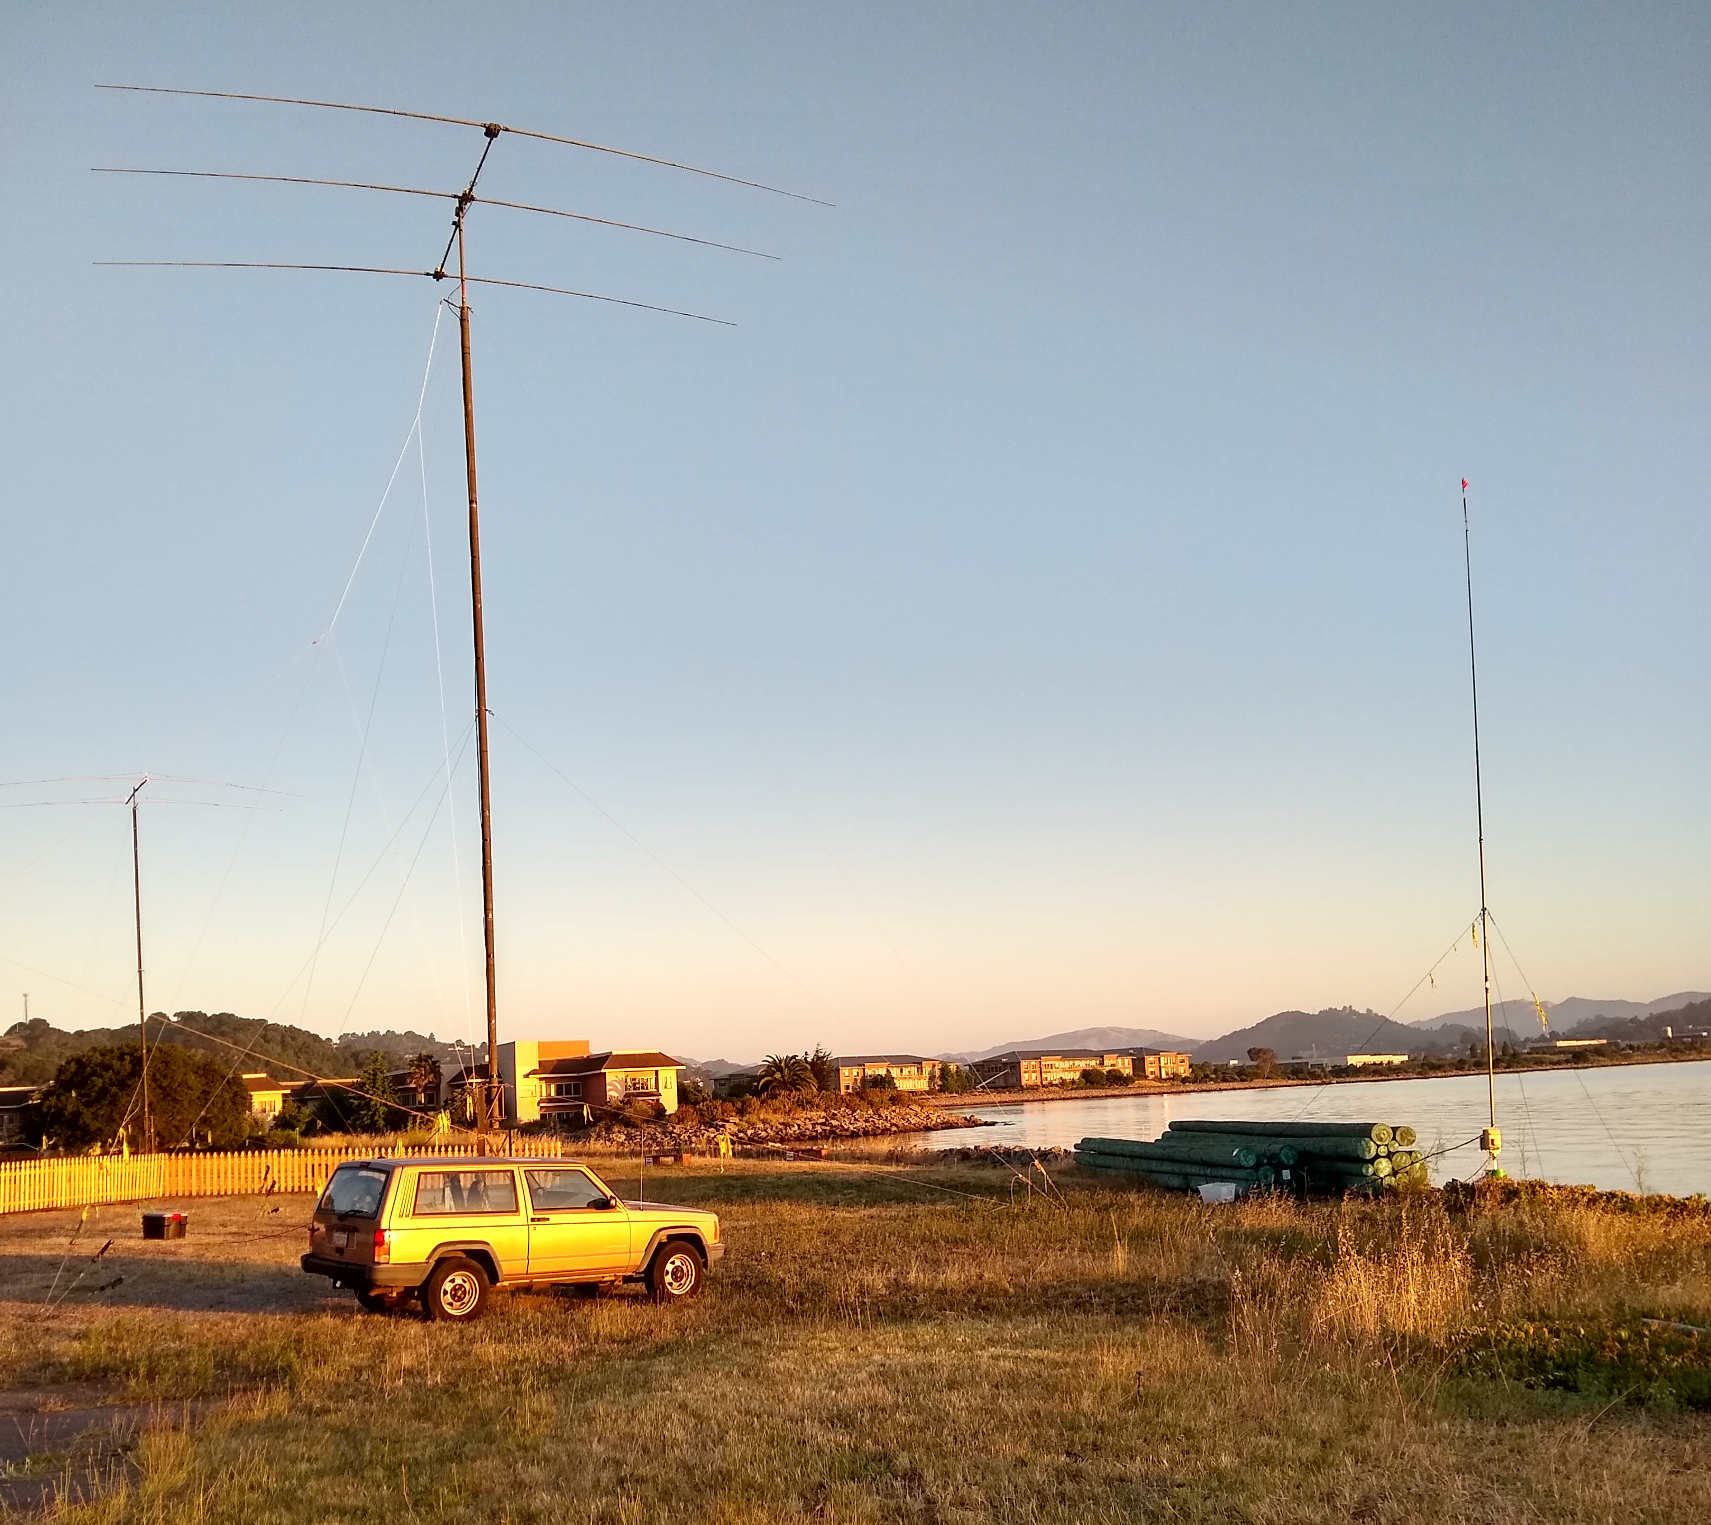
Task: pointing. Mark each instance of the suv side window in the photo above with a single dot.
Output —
(558, 1189)
(441, 1192)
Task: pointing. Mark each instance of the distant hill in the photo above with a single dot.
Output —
(405, 1045)
(1565, 1016)
(1689, 1020)
(1086, 1037)
(706, 1071)
(1328, 1034)
(30, 1052)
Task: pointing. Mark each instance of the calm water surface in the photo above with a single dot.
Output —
(1620, 1127)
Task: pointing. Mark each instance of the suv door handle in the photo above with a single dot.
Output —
(538, 1220)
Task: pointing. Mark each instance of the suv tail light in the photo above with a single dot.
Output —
(382, 1246)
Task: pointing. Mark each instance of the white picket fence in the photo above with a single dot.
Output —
(91, 1180)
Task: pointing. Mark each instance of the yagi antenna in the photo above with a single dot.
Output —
(490, 1097)
(408, 190)
(432, 275)
(492, 129)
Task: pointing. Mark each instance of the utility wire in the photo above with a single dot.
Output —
(427, 831)
(392, 476)
(445, 731)
(1319, 1090)
(1585, 1090)
(637, 842)
(380, 858)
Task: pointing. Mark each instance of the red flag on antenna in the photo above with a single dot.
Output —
(1464, 484)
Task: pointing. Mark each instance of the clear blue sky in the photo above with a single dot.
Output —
(1045, 608)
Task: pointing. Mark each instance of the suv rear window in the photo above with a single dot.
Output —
(354, 1192)
(465, 1191)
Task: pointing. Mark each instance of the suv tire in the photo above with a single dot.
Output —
(455, 1291)
(676, 1272)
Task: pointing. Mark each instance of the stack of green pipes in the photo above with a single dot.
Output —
(1295, 1156)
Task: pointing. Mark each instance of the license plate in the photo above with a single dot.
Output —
(341, 1238)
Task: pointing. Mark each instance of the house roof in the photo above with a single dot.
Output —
(620, 1059)
(1011, 1055)
(256, 1083)
(17, 1096)
(847, 1060)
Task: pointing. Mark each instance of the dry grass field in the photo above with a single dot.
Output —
(910, 1343)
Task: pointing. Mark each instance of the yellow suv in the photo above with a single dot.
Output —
(448, 1231)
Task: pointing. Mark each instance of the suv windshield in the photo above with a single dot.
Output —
(354, 1192)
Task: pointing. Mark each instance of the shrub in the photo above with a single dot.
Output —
(639, 1110)
(196, 1099)
(1640, 1363)
(284, 1138)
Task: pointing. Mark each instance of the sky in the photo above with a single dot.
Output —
(1044, 608)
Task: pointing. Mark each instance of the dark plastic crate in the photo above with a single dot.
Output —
(164, 1225)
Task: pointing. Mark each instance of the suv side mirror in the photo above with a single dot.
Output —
(605, 1204)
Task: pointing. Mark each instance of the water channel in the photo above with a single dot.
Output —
(1643, 1127)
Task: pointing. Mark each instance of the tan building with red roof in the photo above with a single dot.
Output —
(267, 1095)
(546, 1078)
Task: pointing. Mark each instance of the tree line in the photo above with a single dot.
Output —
(95, 1100)
(816, 1071)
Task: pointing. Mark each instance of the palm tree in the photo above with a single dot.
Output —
(782, 1074)
(424, 1077)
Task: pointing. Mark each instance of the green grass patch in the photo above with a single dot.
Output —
(1633, 1362)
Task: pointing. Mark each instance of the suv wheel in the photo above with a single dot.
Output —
(675, 1275)
(456, 1290)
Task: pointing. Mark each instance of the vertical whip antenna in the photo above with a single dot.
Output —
(1493, 1138)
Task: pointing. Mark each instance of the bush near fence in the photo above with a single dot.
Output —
(93, 1180)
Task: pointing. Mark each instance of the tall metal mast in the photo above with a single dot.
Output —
(491, 1109)
(142, 1010)
(1492, 1140)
